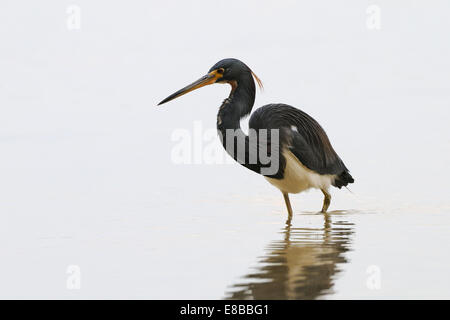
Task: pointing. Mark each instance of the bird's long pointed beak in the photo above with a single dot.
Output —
(210, 78)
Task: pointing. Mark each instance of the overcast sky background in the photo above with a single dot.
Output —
(86, 176)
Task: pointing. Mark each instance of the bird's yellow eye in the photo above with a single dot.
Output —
(220, 70)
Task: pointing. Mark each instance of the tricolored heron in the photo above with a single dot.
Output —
(304, 155)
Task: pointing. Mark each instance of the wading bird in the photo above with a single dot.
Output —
(295, 141)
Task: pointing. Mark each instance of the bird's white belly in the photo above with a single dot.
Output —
(298, 178)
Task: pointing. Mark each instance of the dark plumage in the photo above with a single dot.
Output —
(299, 148)
(309, 142)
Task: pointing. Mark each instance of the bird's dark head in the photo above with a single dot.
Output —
(231, 71)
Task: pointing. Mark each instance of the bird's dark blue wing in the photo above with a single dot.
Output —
(304, 137)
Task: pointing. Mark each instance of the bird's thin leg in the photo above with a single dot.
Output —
(326, 200)
(288, 203)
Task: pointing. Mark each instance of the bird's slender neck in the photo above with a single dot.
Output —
(238, 104)
(251, 152)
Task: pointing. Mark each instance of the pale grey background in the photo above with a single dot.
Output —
(86, 176)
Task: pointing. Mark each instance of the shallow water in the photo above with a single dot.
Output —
(303, 265)
(353, 254)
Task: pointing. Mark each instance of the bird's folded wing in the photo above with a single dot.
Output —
(304, 137)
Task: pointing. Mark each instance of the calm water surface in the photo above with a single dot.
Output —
(303, 265)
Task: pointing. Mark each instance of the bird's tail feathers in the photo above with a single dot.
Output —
(343, 179)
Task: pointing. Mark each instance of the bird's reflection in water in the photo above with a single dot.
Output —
(303, 265)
